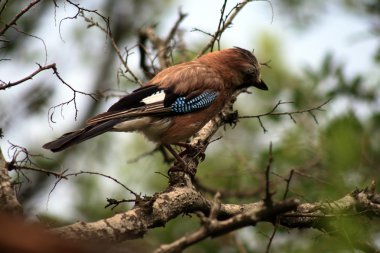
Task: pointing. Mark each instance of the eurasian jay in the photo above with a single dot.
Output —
(177, 102)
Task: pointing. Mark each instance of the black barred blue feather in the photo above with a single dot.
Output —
(182, 105)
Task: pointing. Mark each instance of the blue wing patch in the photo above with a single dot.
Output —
(180, 105)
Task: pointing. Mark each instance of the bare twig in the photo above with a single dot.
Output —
(221, 22)
(18, 16)
(173, 31)
(55, 72)
(288, 184)
(268, 194)
(114, 202)
(3, 7)
(51, 110)
(115, 47)
(66, 176)
(290, 114)
(36, 37)
(144, 55)
(277, 223)
(22, 160)
(107, 30)
(4, 86)
(161, 45)
(80, 10)
(47, 172)
(99, 174)
(267, 250)
(158, 44)
(223, 25)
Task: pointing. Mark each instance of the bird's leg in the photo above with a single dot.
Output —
(192, 150)
(189, 169)
(177, 157)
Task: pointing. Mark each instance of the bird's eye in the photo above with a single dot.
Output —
(251, 71)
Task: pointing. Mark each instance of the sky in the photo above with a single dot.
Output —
(336, 32)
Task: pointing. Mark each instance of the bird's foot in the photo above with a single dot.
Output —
(197, 151)
(231, 119)
(188, 159)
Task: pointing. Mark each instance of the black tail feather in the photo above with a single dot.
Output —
(72, 138)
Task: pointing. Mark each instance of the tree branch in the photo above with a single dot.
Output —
(291, 114)
(181, 197)
(29, 77)
(8, 200)
(18, 16)
(215, 228)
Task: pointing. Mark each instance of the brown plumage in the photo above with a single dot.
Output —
(177, 102)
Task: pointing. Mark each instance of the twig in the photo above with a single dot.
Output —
(18, 15)
(143, 55)
(228, 21)
(55, 72)
(91, 95)
(268, 194)
(173, 31)
(159, 45)
(80, 10)
(36, 37)
(3, 7)
(107, 31)
(277, 223)
(22, 160)
(65, 176)
(290, 114)
(272, 235)
(103, 175)
(221, 21)
(162, 46)
(29, 77)
(47, 172)
(288, 184)
(115, 47)
(114, 202)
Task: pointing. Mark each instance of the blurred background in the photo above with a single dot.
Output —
(317, 51)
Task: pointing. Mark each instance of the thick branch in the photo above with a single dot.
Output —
(215, 228)
(150, 213)
(8, 200)
(363, 202)
(182, 198)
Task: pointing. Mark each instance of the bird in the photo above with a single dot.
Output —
(177, 102)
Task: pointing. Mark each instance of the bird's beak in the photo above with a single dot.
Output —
(261, 85)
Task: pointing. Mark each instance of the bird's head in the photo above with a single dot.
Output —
(237, 65)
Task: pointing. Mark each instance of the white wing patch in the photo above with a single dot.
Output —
(159, 96)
